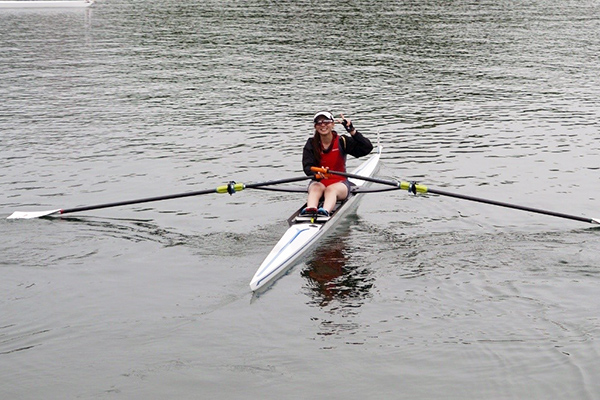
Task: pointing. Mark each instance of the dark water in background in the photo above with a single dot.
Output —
(425, 297)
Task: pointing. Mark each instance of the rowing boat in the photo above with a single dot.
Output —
(46, 4)
(304, 231)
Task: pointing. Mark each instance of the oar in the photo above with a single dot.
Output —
(415, 188)
(230, 188)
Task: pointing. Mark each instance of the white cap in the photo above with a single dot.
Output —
(325, 114)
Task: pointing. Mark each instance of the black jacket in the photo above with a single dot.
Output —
(356, 146)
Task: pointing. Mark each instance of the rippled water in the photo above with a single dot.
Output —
(413, 297)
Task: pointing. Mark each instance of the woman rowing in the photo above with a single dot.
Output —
(329, 150)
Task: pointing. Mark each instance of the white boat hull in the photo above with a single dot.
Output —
(300, 237)
(46, 4)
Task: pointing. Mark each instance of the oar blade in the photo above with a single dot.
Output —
(31, 214)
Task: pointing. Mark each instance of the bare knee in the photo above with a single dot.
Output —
(316, 189)
(339, 190)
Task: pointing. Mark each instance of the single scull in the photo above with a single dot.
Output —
(304, 231)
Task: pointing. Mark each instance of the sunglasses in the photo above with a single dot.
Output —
(323, 122)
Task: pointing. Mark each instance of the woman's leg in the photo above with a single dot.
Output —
(333, 193)
(315, 192)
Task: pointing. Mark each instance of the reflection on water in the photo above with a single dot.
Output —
(333, 277)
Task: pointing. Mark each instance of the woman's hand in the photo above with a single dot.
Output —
(347, 123)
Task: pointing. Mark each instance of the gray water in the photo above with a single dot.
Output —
(422, 297)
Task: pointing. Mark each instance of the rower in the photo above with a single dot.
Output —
(328, 149)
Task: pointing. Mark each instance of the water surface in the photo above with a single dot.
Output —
(412, 297)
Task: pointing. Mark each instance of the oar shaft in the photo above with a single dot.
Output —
(424, 189)
(509, 205)
(230, 188)
(354, 176)
(277, 182)
(140, 201)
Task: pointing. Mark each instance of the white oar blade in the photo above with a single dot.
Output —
(596, 220)
(31, 214)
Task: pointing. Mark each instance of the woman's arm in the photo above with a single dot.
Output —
(308, 158)
(356, 144)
